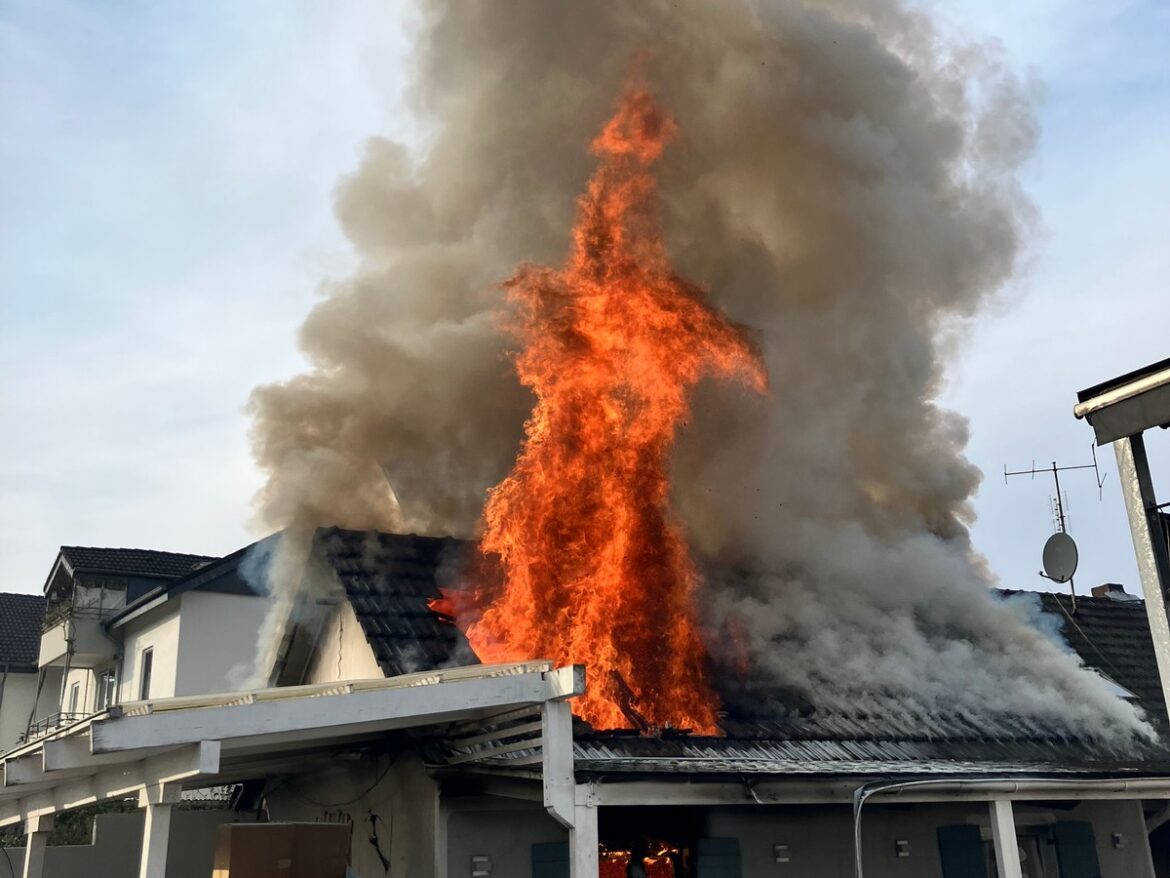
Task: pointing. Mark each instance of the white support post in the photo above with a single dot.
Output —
(158, 800)
(1149, 546)
(38, 829)
(1003, 835)
(583, 857)
(557, 761)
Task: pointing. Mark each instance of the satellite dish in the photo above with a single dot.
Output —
(1060, 557)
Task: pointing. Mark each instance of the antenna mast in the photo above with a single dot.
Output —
(1061, 517)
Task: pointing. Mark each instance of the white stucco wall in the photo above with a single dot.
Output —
(83, 679)
(501, 829)
(395, 789)
(158, 630)
(50, 699)
(117, 847)
(217, 641)
(343, 653)
(15, 707)
(819, 838)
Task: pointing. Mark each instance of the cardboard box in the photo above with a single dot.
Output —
(281, 850)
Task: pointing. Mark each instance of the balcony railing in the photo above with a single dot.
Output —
(51, 723)
(55, 614)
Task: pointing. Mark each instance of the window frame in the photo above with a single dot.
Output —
(145, 672)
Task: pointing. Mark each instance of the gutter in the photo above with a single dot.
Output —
(1003, 788)
(1122, 393)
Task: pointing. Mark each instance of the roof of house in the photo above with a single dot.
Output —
(389, 579)
(21, 616)
(132, 562)
(226, 575)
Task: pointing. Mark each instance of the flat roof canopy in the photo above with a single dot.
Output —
(219, 739)
(1127, 405)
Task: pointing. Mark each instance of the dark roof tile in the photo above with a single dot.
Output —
(21, 616)
(133, 562)
(389, 578)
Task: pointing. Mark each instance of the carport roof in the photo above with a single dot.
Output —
(202, 740)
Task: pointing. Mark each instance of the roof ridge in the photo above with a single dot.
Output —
(135, 549)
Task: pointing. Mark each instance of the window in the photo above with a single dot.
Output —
(105, 688)
(74, 697)
(146, 666)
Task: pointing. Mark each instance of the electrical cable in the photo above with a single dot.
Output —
(356, 798)
(1088, 639)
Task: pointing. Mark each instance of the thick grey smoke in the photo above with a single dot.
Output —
(845, 185)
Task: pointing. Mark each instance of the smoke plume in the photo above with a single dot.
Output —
(845, 185)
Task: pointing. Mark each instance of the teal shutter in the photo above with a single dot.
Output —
(1076, 851)
(718, 858)
(550, 860)
(961, 850)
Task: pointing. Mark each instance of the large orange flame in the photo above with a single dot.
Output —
(593, 566)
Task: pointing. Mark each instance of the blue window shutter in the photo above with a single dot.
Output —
(718, 858)
(961, 850)
(550, 860)
(1076, 851)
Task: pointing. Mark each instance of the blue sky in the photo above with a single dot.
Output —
(167, 172)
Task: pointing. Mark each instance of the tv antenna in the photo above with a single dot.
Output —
(1060, 555)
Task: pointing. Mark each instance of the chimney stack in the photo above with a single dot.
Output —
(1114, 591)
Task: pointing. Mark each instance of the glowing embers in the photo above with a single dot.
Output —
(582, 559)
(656, 860)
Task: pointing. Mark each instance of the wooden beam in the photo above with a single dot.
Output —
(566, 682)
(583, 853)
(1003, 836)
(325, 716)
(557, 758)
(196, 760)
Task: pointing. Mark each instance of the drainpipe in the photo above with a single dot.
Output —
(70, 646)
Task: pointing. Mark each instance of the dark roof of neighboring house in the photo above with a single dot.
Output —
(226, 575)
(21, 616)
(149, 563)
(389, 578)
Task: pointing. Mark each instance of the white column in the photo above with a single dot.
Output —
(556, 749)
(1003, 834)
(158, 800)
(1137, 489)
(583, 859)
(38, 829)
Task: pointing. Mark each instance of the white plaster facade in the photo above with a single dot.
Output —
(199, 642)
(117, 841)
(16, 704)
(343, 652)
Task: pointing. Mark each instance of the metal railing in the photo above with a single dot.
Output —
(55, 614)
(51, 723)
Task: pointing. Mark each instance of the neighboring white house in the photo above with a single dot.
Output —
(128, 624)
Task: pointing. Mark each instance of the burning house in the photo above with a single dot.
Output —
(705, 603)
(380, 718)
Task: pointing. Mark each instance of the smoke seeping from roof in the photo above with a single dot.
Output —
(845, 185)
